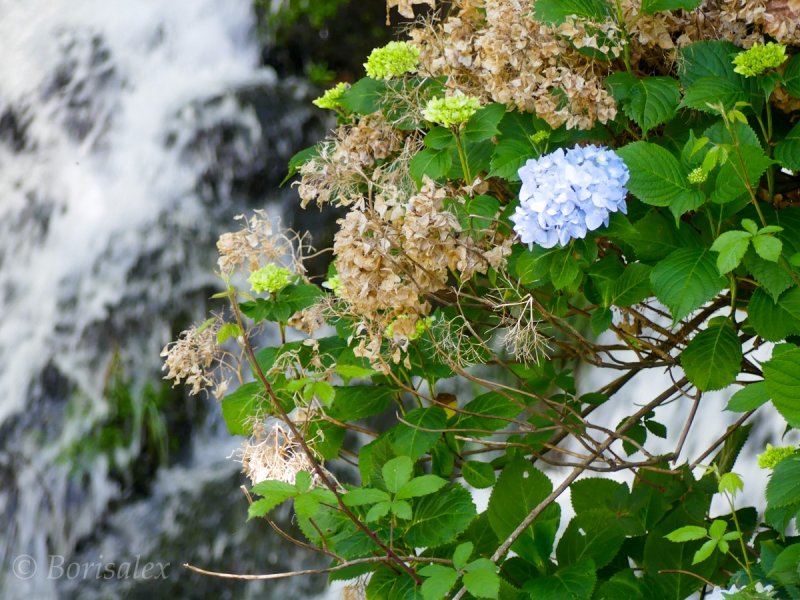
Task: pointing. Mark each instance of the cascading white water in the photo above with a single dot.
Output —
(122, 136)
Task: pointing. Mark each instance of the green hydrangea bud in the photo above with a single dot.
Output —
(772, 456)
(393, 60)
(330, 99)
(540, 136)
(334, 284)
(759, 58)
(697, 176)
(451, 110)
(271, 278)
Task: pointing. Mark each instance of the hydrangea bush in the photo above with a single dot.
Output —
(528, 189)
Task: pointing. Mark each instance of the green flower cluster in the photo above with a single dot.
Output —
(451, 110)
(540, 136)
(330, 99)
(393, 60)
(271, 278)
(697, 176)
(334, 284)
(772, 456)
(759, 58)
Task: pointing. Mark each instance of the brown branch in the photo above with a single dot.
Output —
(333, 569)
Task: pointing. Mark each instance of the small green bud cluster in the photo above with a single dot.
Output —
(540, 136)
(271, 278)
(393, 60)
(697, 176)
(772, 456)
(759, 58)
(330, 99)
(451, 110)
(334, 284)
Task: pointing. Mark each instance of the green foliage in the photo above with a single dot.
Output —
(460, 355)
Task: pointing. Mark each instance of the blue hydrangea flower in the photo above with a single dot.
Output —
(566, 194)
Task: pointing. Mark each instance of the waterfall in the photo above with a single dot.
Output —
(130, 134)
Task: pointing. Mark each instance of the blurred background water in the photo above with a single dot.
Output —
(130, 136)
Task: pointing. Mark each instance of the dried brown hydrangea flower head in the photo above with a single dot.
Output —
(273, 454)
(192, 356)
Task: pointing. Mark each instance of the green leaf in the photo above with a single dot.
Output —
(299, 159)
(706, 92)
(479, 475)
(712, 360)
(439, 138)
(324, 391)
(730, 181)
(652, 101)
(687, 533)
(729, 483)
(557, 11)
(397, 472)
(421, 486)
(228, 331)
(564, 270)
(650, 7)
(361, 496)
(364, 96)
(355, 402)
(432, 163)
(348, 372)
(590, 493)
(528, 486)
(787, 151)
(439, 581)
(483, 124)
(770, 276)
(481, 579)
(489, 411)
(620, 84)
(575, 582)
(482, 210)
(707, 59)
(596, 535)
(387, 584)
(299, 296)
(685, 280)
(461, 554)
(717, 528)
(785, 568)
(749, 397)
(732, 246)
(509, 156)
(782, 378)
(401, 509)
(421, 433)
(774, 321)
(378, 511)
(657, 177)
(308, 504)
(439, 518)
(768, 247)
(273, 492)
(705, 551)
(239, 407)
(791, 76)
